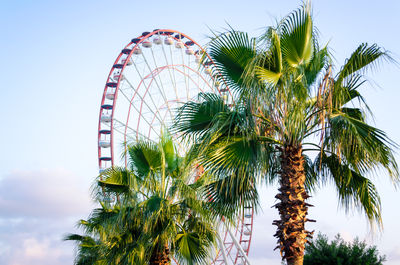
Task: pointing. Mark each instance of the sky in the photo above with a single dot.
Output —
(55, 57)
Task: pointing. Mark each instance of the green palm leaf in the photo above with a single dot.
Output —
(190, 247)
(144, 157)
(363, 146)
(353, 188)
(297, 37)
(363, 58)
(269, 65)
(195, 118)
(318, 62)
(231, 53)
(117, 179)
(227, 196)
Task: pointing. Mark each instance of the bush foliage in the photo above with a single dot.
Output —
(339, 252)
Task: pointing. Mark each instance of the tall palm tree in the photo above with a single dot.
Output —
(294, 122)
(156, 216)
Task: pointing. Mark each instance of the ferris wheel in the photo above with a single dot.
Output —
(152, 76)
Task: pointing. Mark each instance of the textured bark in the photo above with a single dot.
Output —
(296, 261)
(160, 256)
(292, 207)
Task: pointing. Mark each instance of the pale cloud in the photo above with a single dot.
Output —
(38, 209)
(263, 242)
(38, 251)
(393, 258)
(35, 241)
(266, 261)
(42, 193)
(395, 253)
(35, 249)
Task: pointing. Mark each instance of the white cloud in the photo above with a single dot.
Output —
(263, 241)
(38, 209)
(393, 258)
(38, 251)
(34, 249)
(35, 241)
(395, 253)
(42, 193)
(264, 261)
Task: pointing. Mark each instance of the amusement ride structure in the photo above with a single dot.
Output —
(152, 76)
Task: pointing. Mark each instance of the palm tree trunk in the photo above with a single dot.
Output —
(292, 207)
(160, 256)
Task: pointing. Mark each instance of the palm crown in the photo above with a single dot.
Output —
(156, 216)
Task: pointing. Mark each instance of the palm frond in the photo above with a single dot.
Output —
(269, 64)
(353, 188)
(312, 180)
(297, 37)
(363, 146)
(231, 53)
(144, 157)
(228, 195)
(232, 153)
(319, 61)
(169, 152)
(362, 59)
(191, 247)
(195, 118)
(116, 179)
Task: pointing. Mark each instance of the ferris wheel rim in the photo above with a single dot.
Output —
(111, 82)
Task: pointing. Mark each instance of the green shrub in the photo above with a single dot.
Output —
(338, 252)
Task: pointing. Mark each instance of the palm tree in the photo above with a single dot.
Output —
(294, 122)
(156, 216)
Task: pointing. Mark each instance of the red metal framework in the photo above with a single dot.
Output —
(136, 104)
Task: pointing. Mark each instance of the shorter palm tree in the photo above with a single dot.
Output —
(157, 214)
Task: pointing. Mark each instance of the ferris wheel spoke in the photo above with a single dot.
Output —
(142, 78)
(173, 77)
(172, 63)
(142, 98)
(180, 146)
(184, 70)
(239, 252)
(131, 102)
(162, 91)
(190, 78)
(169, 71)
(155, 80)
(123, 125)
(138, 111)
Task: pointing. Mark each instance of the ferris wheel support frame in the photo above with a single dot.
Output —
(244, 255)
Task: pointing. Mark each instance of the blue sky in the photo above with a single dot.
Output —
(55, 57)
